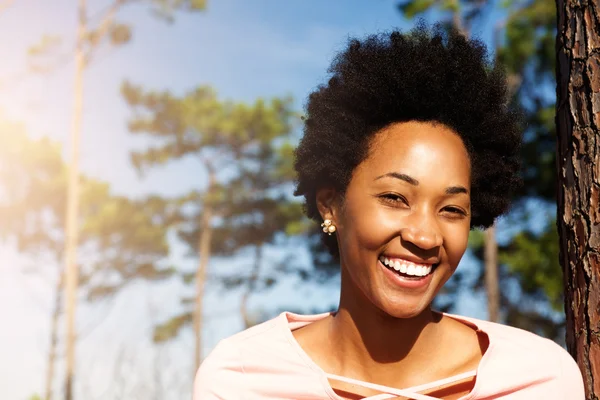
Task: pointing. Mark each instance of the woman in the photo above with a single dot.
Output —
(407, 147)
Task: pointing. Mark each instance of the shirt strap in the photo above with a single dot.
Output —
(443, 382)
(386, 390)
(389, 392)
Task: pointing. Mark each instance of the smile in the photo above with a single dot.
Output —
(407, 267)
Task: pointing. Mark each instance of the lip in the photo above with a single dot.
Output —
(405, 283)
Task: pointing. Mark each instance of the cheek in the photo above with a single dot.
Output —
(365, 228)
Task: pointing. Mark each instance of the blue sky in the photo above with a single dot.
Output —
(243, 49)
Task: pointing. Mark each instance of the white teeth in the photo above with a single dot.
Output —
(407, 267)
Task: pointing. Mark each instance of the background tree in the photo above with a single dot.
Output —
(121, 240)
(237, 146)
(530, 257)
(578, 128)
(260, 214)
(91, 35)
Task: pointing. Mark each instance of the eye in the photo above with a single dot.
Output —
(393, 199)
(454, 212)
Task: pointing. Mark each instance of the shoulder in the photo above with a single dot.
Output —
(221, 366)
(241, 363)
(509, 337)
(225, 363)
(518, 352)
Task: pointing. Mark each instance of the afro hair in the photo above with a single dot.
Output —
(428, 75)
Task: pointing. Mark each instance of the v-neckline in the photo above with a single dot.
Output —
(299, 321)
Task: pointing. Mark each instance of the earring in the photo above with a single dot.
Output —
(328, 227)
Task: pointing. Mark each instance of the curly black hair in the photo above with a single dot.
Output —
(429, 75)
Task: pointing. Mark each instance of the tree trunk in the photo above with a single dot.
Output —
(72, 228)
(204, 249)
(578, 167)
(457, 22)
(251, 286)
(491, 273)
(54, 336)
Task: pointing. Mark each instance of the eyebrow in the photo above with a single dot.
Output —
(414, 182)
(402, 177)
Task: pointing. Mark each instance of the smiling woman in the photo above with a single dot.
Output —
(408, 147)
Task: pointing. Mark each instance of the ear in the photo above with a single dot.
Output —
(327, 203)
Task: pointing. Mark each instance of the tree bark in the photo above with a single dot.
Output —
(578, 167)
(491, 273)
(251, 286)
(54, 336)
(72, 228)
(204, 249)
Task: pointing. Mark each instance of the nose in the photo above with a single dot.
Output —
(425, 238)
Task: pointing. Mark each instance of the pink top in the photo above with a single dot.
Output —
(266, 362)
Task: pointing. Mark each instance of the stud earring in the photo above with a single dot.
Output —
(328, 227)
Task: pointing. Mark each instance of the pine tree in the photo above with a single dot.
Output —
(121, 240)
(241, 151)
(578, 129)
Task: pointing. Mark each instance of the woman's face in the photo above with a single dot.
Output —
(405, 220)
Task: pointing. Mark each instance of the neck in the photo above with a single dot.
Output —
(369, 340)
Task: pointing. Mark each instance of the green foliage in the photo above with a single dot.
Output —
(528, 53)
(529, 37)
(457, 13)
(103, 29)
(536, 260)
(171, 328)
(120, 239)
(412, 9)
(246, 153)
(119, 34)
(416, 8)
(476, 238)
(46, 43)
(166, 8)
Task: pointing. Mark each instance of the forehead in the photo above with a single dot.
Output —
(426, 151)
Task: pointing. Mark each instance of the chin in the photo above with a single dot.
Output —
(405, 310)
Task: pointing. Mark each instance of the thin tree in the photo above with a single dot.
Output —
(89, 38)
(125, 240)
(71, 229)
(578, 129)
